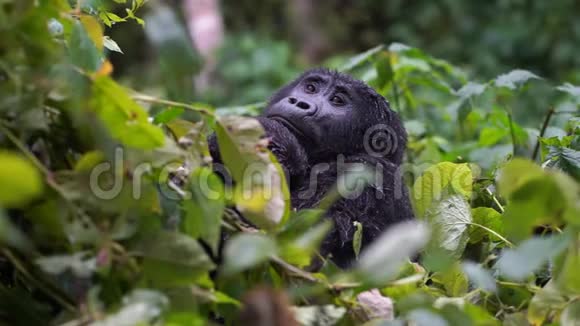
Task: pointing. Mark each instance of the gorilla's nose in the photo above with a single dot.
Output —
(299, 103)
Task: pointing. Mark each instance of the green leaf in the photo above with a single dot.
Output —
(471, 89)
(432, 185)
(571, 315)
(566, 275)
(20, 180)
(380, 262)
(514, 78)
(570, 89)
(244, 251)
(480, 277)
(548, 299)
(519, 263)
(124, 118)
(94, 30)
(89, 160)
(79, 263)
(203, 212)
(140, 307)
(83, 51)
(318, 315)
(565, 159)
(361, 58)
(261, 192)
(172, 258)
(168, 115)
(450, 220)
(492, 135)
(110, 44)
(515, 173)
(489, 218)
(453, 280)
(300, 250)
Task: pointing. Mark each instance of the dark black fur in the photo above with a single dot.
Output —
(308, 129)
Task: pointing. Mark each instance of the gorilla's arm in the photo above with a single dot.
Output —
(376, 208)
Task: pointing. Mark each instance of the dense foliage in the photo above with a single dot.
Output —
(105, 193)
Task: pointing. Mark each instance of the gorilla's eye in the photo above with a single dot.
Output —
(310, 88)
(337, 100)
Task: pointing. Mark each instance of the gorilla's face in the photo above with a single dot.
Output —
(329, 112)
(318, 108)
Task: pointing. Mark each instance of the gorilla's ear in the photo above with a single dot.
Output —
(395, 127)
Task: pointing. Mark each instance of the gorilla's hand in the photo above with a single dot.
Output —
(283, 144)
(287, 149)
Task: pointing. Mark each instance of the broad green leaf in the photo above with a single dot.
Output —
(124, 118)
(380, 262)
(492, 135)
(83, 51)
(437, 181)
(530, 255)
(450, 220)
(565, 159)
(237, 138)
(548, 199)
(480, 277)
(261, 191)
(203, 212)
(453, 280)
(174, 247)
(514, 78)
(488, 218)
(20, 180)
(94, 30)
(244, 251)
(515, 173)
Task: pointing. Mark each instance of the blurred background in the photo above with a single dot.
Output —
(237, 52)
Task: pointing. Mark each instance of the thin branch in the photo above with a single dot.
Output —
(495, 200)
(43, 286)
(154, 100)
(542, 132)
(512, 131)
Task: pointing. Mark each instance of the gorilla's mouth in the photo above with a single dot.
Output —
(288, 124)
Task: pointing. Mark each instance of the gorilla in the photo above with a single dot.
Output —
(320, 123)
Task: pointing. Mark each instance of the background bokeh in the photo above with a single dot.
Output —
(264, 44)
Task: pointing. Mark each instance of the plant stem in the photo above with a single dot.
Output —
(151, 99)
(542, 132)
(499, 206)
(512, 132)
